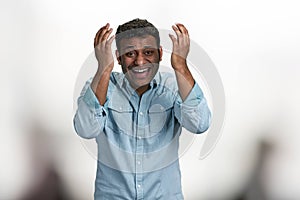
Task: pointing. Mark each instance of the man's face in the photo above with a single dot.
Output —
(139, 58)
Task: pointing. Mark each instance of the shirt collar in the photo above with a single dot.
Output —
(123, 82)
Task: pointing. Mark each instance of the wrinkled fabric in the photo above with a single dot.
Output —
(138, 136)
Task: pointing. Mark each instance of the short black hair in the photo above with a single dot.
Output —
(136, 28)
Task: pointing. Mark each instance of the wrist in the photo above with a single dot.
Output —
(180, 67)
(178, 62)
(105, 69)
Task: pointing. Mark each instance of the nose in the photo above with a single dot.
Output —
(140, 59)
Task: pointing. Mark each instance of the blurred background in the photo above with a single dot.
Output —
(254, 45)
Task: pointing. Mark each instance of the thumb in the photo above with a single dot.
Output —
(173, 38)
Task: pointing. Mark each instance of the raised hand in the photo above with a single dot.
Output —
(181, 47)
(105, 60)
(102, 47)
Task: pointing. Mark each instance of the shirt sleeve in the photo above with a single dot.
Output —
(90, 116)
(193, 113)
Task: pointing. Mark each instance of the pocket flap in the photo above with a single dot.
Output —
(120, 107)
(161, 107)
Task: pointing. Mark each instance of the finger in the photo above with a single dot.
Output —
(182, 28)
(110, 40)
(173, 38)
(100, 33)
(96, 39)
(105, 30)
(106, 35)
(185, 34)
(177, 31)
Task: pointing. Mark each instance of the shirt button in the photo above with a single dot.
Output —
(141, 113)
(138, 162)
(139, 137)
(139, 186)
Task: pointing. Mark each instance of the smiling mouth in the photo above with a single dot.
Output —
(136, 70)
(139, 73)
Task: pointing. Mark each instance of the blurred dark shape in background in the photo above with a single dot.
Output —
(255, 189)
(45, 183)
(50, 187)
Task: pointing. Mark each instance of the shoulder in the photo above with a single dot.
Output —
(116, 77)
(167, 80)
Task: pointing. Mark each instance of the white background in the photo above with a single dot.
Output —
(254, 45)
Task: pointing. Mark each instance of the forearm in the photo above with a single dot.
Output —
(88, 123)
(102, 45)
(90, 117)
(185, 81)
(194, 113)
(100, 84)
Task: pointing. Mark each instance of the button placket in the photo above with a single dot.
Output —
(140, 134)
(138, 156)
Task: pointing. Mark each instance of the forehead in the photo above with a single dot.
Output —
(147, 41)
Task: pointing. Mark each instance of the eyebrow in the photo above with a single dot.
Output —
(132, 47)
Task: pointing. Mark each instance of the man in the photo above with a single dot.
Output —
(137, 116)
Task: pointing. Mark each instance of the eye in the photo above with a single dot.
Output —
(148, 52)
(130, 54)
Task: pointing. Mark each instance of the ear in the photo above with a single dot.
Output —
(118, 57)
(160, 53)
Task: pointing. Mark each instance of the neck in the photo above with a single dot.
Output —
(141, 90)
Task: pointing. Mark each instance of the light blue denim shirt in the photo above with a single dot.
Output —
(138, 137)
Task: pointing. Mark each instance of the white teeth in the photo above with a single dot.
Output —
(139, 70)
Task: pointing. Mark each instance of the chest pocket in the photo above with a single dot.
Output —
(120, 117)
(160, 116)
